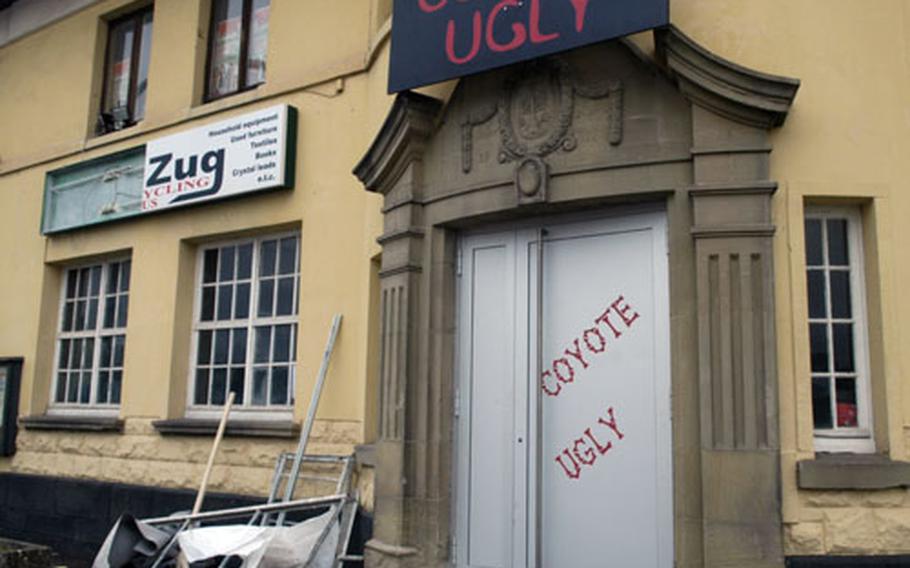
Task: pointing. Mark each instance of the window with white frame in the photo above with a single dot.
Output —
(92, 336)
(837, 330)
(245, 336)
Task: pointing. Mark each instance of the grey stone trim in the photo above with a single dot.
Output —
(852, 471)
(72, 423)
(731, 90)
(402, 269)
(247, 428)
(727, 188)
(365, 454)
(410, 121)
(726, 231)
(400, 234)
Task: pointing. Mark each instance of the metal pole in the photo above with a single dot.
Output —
(311, 416)
(311, 503)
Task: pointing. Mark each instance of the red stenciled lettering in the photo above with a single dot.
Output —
(536, 35)
(546, 387)
(602, 450)
(600, 338)
(429, 8)
(565, 362)
(587, 453)
(605, 318)
(581, 6)
(577, 354)
(520, 34)
(475, 42)
(574, 473)
(611, 423)
(622, 309)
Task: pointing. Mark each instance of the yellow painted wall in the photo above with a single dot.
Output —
(318, 54)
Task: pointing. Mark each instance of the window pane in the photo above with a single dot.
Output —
(204, 350)
(267, 260)
(80, 315)
(279, 385)
(818, 337)
(208, 304)
(266, 291)
(258, 42)
(96, 281)
(288, 256)
(122, 309)
(219, 386)
(73, 388)
(103, 381)
(61, 388)
(226, 270)
(63, 360)
(222, 336)
(225, 299)
(260, 384)
(125, 276)
(840, 294)
(242, 303)
(106, 352)
(145, 49)
(817, 299)
(210, 265)
(821, 402)
(83, 282)
(814, 242)
(113, 277)
(263, 344)
(843, 348)
(846, 403)
(110, 311)
(837, 242)
(282, 343)
(224, 70)
(201, 392)
(237, 384)
(92, 314)
(88, 353)
(238, 349)
(119, 346)
(76, 356)
(285, 305)
(116, 383)
(85, 388)
(244, 261)
(119, 61)
(71, 276)
(68, 316)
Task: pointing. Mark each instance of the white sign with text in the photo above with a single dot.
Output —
(240, 155)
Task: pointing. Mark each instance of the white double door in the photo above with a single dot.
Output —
(563, 396)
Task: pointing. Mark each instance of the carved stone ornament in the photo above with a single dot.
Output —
(536, 111)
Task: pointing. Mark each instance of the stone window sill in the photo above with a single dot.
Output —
(241, 428)
(852, 471)
(72, 423)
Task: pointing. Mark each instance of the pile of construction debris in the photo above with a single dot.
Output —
(283, 532)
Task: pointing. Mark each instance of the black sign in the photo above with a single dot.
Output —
(436, 40)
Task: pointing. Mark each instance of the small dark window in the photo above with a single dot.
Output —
(238, 42)
(126, 68)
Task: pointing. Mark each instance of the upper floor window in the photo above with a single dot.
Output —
(92, 337)
(126, 71)
(837, 330)
(246, 323)
(238, 42)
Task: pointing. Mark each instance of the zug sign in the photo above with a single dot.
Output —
(437, 40)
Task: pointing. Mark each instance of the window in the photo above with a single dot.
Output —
(246, 324)
(837, 330)
(92, 337)
(238, 41)
(126, 69)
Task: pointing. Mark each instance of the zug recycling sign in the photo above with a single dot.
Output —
(437, 40)
(240, 155)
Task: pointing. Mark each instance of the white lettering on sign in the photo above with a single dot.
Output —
(232, 157)
(593, 341)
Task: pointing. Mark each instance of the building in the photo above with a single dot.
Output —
(690, 236)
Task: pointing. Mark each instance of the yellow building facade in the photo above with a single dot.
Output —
(827, 129)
